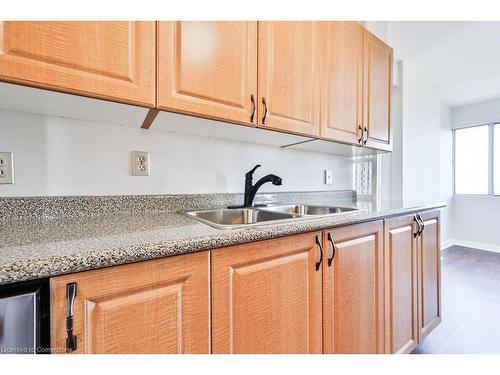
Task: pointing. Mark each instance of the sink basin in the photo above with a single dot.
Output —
(234, 218)
(231, 218)
(303, 209)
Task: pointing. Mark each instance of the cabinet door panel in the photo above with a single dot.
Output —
(429, 263)
(266, 297)
(353, 293)
(342, 103)
(401, 285)
(159, 306)
(378, 92)
(208, 69)
(290, 76)
(108, 60)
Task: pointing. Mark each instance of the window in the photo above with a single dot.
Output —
(477, 159)
(471, 160)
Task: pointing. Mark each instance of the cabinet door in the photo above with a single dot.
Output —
(353, 293)
(159, 306)
(342, 102)
(378, 92)
(290, 76)
(266, 297)
(401, 285)
(106, 60)
(209, 69)
(429, 275)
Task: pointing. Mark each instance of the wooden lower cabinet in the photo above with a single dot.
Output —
(353, 289)
(401, 284)
(429, 274)
(365, 288)
(413, 280)
(158, 306)
(266, 296)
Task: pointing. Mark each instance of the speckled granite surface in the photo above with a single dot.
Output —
(44, 246)
(22, 208)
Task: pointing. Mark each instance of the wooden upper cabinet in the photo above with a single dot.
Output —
(429, 274)
(377, 92)
(342, 110)
(106, 60)
(353, 290)
(401, 285)
(159, 306)
(266, 297)
(289, 73)
(208, 69)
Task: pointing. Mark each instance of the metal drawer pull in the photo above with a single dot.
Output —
(330, 260)
(71, 341)
(318, 242)
(367, 132)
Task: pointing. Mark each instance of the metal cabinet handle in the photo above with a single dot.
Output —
(265, 110)
(252, 99)
(318, 263)
(330, 239)
(415, 235)
(367, 132)
(71, 341)
(360, 139)
(422, 223)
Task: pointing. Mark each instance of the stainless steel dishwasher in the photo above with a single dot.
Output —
(24, 318)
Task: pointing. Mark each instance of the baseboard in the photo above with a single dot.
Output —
(471, 244)
(446, 244)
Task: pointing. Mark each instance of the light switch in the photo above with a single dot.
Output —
(328, 177)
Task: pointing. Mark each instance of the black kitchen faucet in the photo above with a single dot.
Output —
(251, 190)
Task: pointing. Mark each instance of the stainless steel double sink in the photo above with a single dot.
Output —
(231, 218)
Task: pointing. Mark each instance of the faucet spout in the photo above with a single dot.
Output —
(251, 190)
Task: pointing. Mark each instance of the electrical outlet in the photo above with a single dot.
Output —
(6, 168)
(328, 177)
(140, 163)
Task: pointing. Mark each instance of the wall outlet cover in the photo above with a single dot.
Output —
(140, 163)
(6, 168)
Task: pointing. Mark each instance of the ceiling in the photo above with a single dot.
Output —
(461, 58)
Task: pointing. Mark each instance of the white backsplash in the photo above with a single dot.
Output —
(57, 156)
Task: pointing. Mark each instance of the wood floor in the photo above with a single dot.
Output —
(470, 302)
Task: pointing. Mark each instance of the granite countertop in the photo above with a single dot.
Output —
(43, 247)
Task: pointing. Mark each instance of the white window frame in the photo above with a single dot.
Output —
(491, 160)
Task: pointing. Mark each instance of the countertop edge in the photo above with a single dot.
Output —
(38, 268)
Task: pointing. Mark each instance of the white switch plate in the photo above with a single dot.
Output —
(140, 163)
(328, 177)
(6, 168)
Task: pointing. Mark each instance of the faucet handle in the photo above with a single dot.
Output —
(250, 173)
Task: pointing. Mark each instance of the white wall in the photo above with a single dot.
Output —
(56, 156)
(476, 114)
(476, 218)
(446, 172)
(426, 146)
